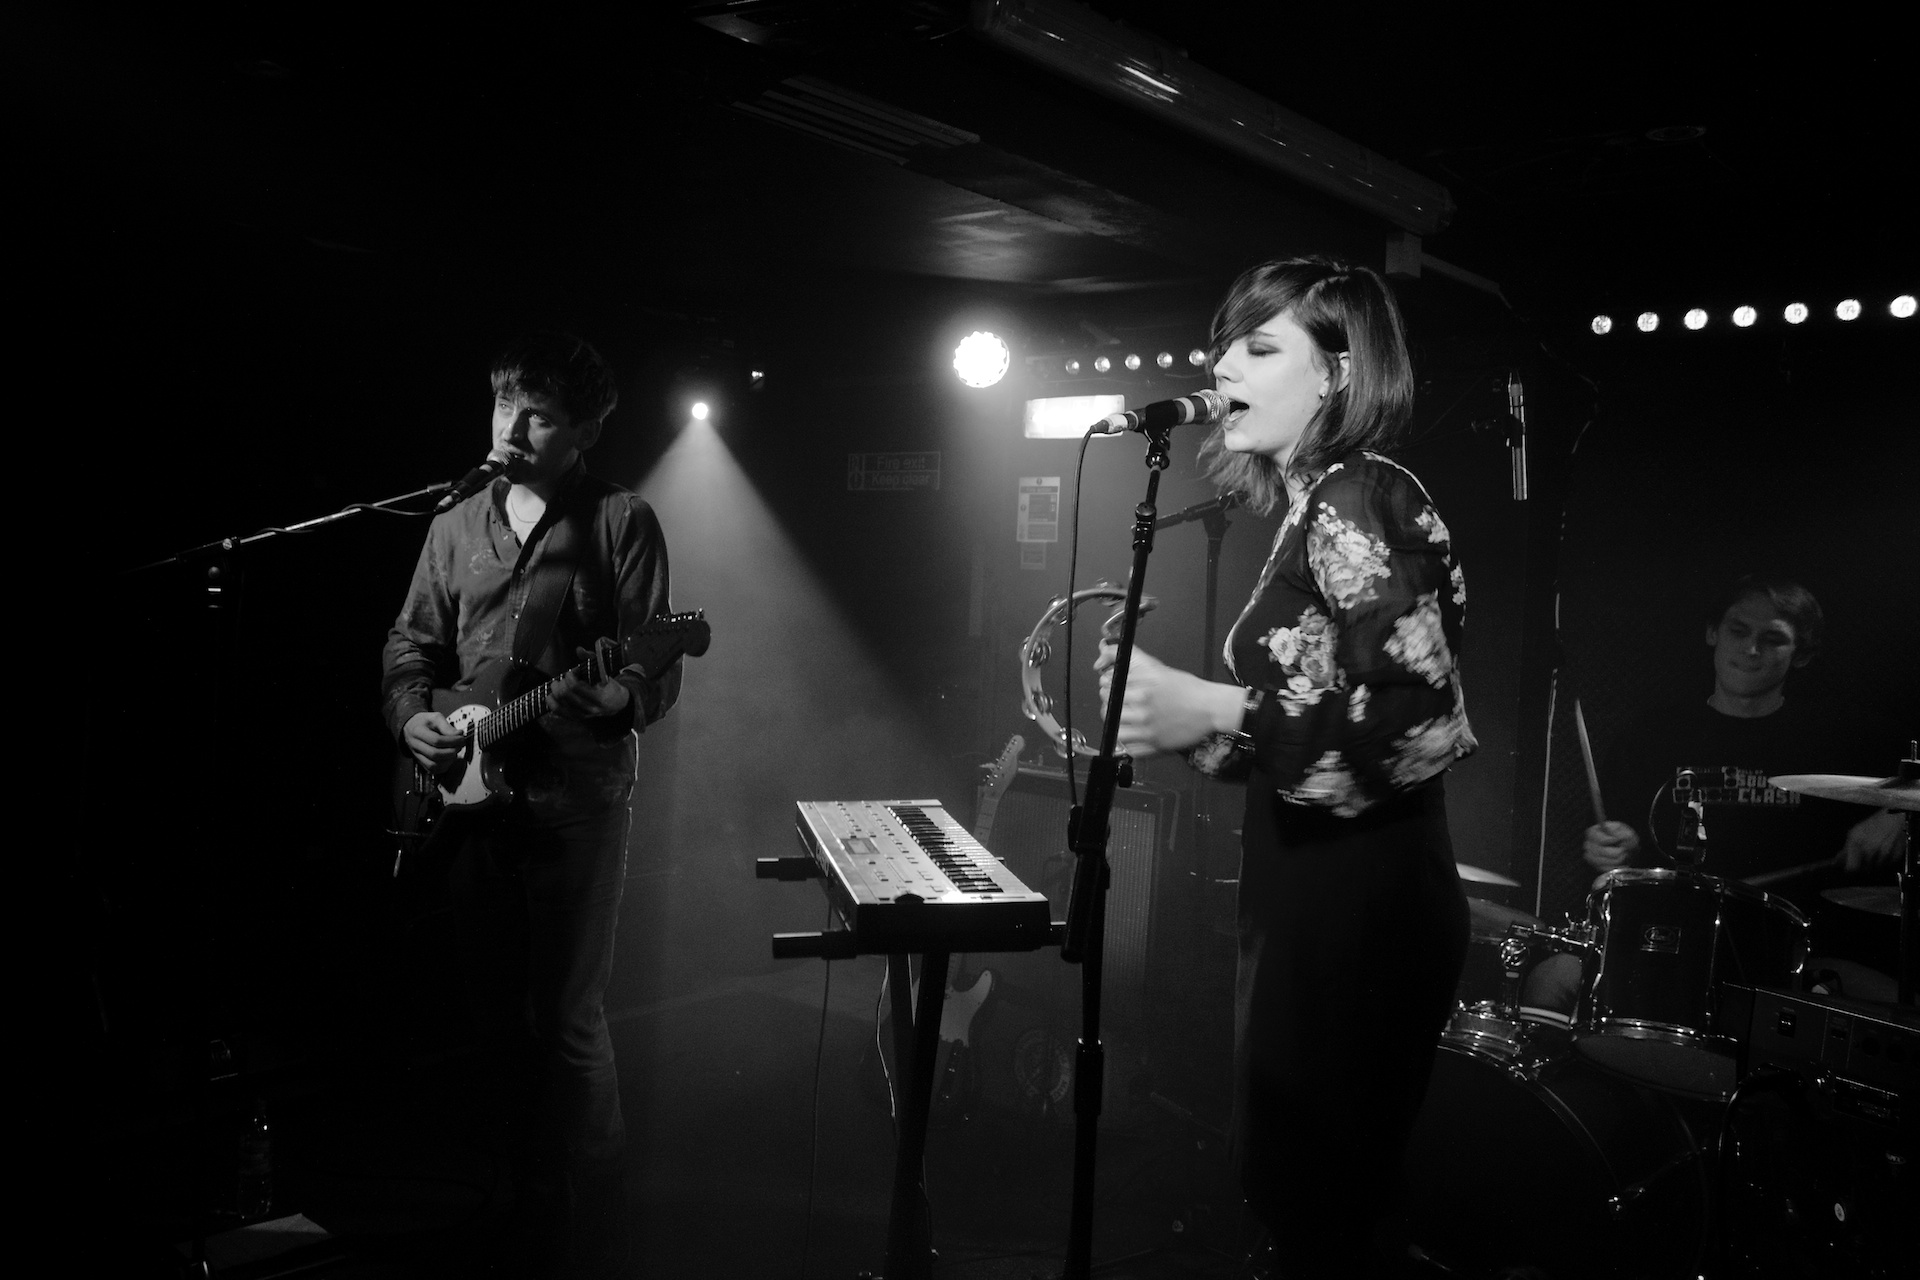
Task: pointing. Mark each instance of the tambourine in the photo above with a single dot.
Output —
(1038, 647)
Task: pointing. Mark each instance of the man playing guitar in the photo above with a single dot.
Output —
(513, 583)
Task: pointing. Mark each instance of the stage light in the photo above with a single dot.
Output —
(699, 411)
(1164, 359)
(1068, 417)
(1603, 325)
(1902, 306)
(1073, 366)
(1695, 319)
(1745, 316)
(1795, 313)
(982, 358)
(1133, 363)
(1648, 321)
(1197, 357)
(1101, 364)
(1849, 309)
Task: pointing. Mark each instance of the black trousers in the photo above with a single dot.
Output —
(1352, 936)
(537, 898)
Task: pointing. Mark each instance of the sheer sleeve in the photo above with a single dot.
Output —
(1361, 677)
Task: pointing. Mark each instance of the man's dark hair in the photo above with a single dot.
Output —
(562, 366)
(1790, 600)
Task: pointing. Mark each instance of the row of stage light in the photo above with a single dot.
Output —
(983, 358)
(1901, 308)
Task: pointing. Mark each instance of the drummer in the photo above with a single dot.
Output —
(1687, 784)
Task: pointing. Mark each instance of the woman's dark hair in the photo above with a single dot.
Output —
(562, 366)
(1341, 307)
(1789, 599)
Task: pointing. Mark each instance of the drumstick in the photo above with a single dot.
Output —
(1787, 873)
(1586, 756)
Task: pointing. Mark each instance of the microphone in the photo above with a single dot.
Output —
(1517, 410)
(472, 482)
(1202, 407)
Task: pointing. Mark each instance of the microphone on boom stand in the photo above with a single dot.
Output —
(1203, 407)
(472, 482)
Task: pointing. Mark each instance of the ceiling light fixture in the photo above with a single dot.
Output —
(982, 358)
(1695, 319)
(1743, 317)
(1648, 321)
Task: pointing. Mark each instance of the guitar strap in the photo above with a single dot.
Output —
(552, 581)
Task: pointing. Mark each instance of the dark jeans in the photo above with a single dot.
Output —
(536, 898)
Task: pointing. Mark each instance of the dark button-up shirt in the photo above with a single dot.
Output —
(463, 608)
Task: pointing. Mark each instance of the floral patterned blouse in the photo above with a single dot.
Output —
(1352, 636)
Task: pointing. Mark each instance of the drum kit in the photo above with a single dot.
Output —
(1579, 1141)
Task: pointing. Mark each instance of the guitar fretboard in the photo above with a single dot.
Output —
(515, 715)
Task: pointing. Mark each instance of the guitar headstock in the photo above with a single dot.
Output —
(656, 644)
(1008, 761)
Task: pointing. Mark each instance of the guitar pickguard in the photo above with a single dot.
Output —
(469, 786)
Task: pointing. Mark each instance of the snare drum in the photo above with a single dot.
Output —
(1668, 939)
(1488, 1017)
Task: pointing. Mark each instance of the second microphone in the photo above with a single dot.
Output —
(1207, 406)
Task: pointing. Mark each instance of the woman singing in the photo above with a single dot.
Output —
(1347, 714)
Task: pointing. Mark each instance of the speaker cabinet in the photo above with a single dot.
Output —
(1030, 835)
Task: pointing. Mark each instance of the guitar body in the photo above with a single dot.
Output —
(479, 781)
(505, 699)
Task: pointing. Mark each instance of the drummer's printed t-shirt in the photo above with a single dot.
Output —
(1691, 752)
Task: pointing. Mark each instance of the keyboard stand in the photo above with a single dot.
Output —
(916, 1044)
(916, 1038)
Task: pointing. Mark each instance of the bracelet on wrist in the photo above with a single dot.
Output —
(1248, 707)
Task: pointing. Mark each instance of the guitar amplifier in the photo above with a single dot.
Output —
(1030, 835)
(1819, 1180)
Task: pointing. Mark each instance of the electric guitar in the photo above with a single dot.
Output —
(497, 709)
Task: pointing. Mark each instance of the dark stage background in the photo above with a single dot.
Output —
(279, 290)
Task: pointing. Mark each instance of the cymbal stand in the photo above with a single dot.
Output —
(1909, 882)
(1087, 905)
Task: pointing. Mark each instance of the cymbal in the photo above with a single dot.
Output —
(1881, 899)
(1491, 920)
(1480, 875)
(1881, 793)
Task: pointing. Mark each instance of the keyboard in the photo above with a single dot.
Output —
(903, 876)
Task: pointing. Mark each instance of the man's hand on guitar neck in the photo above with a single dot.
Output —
(579, 699)
(432, 740)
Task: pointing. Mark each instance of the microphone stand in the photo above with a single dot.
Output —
(219, 549)
(1087, 904)
(222, 581)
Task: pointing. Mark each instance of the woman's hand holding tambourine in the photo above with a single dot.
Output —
(1167, 709)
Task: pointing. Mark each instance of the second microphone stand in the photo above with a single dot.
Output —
(1087, 832)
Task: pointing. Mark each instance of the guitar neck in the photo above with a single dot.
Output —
(515, 715)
